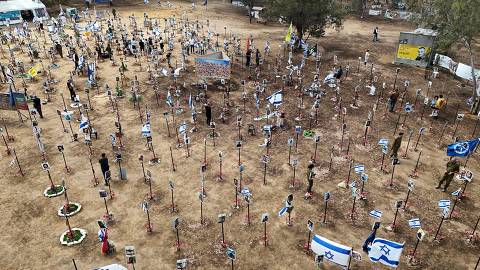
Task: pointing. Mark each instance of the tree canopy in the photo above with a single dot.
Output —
(457, 21)
(308, 16)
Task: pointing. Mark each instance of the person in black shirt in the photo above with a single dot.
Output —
(71, 89)
(257, 57)
(208, 113)
(104, 166)
(58, 48)
(37, 104)
(249, 56)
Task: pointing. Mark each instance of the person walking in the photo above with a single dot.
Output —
(71, 89)
(208, 113)
(37, 104)
(248, 57)
(392, 100)
(104, 166)
(310, 176)
(375, 34)
(396, 146)
(453, 167)
(257, 57)
(367, 56)
(59, 49)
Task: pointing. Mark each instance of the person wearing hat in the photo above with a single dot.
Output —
(453, 166)
(396, 146)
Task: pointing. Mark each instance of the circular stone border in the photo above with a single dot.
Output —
(45, 192)
(78, 205)
(65, 243)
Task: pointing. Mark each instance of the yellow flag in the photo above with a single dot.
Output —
(33, 72)
(289, 33)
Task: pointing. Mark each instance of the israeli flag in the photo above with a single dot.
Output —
(462, 149)
(169, 99)
(190, 102)
(385, 251)
(282, 211)
(444, 204)
(83, 122)
(91, 72)
(182, 128)
(383, 142)
(276, 98)
(457, 192)
(359, 168)
(101, 234)
(146, 132)
(376, 214)
(414, 223)
(332, 251)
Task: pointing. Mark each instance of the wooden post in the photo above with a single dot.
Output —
(406, 200)
(171, 156)
(439, 226)
(408, 144)
(325, 212)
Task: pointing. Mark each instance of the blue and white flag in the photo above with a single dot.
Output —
(457, 192)
(182, 128)
(444, 204)
(11, 97)
(169, 99)
(331, 251)
(101, 234)
(146, 132)
(359, 168)
(385, 251)
(282, 211)
(83, 122)
(414, 223)
(91, 72)
(276, 98)
(383, 142)
(376, 214)
(462, 149)
(190, 102)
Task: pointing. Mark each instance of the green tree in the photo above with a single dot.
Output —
(457, 21)
(250, 4)
(308, 16)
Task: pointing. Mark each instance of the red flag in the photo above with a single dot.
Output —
(105, 243)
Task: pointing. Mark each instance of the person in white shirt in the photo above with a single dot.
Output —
(367, 55)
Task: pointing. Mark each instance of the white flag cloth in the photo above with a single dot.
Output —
(385, 251)
(331, 251)
(83, 122)
(276, 98)
(146, 132)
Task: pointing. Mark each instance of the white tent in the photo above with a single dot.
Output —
(111, 267)
(16, 11)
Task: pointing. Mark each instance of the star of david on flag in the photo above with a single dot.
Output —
(385, 251)
(146, 131)
(276, 98)
(444, 204)
(359, 168)
(414, 223)
(332, 251)
(462, 149)
(457, 192)
(376, 214)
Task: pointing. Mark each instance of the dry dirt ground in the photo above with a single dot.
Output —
(31, 227)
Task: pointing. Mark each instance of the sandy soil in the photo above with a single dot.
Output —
(31, 227)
